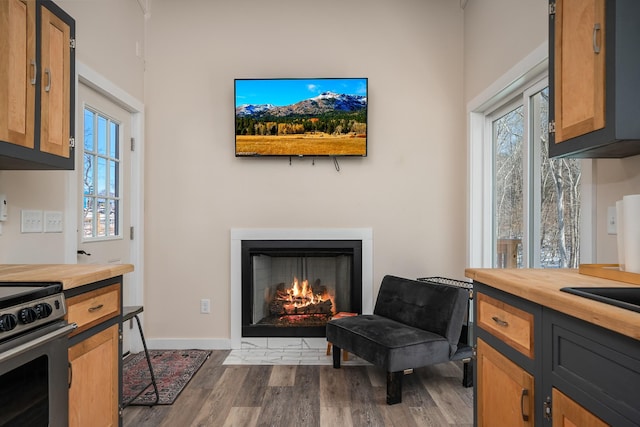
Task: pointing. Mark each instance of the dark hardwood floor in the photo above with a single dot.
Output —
(300, 396)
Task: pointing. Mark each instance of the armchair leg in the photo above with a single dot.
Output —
(336, 356)
(394, 387)
(467, 374)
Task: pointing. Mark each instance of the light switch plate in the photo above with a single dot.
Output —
(612, 224)
(31, 221)
(52, 222)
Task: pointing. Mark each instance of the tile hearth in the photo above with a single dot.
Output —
(285, 351)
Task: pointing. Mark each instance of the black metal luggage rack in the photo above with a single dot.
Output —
(450, 282)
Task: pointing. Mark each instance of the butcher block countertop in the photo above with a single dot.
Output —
(70, 275)
(542, 286)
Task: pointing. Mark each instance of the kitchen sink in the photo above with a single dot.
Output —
(627, 297)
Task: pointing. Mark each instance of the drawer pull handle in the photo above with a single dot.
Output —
(499, 321)
(96, 308)
(35, 71)
(596, 46)
(524, 393)
(47, 72)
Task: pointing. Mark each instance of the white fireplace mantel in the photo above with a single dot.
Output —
(240, 234)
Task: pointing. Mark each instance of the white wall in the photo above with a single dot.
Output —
(497, 35)
(40, 190)
(615, 178)
(410, 189)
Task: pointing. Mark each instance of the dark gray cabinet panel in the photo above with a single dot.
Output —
(596, 367)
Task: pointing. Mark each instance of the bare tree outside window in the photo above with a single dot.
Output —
(560, 195)
(508, 188)
(554, 184)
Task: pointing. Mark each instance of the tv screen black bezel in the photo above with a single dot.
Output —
(295, 154)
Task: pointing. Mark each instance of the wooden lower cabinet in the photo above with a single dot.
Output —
(538, 367)
(567, 413)
(94, 354)
(93, 395)
(505, 391)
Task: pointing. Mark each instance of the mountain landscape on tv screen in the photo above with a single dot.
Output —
(327, 124)
(326, 102)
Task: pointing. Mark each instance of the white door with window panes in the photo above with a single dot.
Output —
(102, 157)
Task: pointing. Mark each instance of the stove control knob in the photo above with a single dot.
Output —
(27, 315)
(7, 322)
(43, 310)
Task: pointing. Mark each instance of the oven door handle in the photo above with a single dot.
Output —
(16, 351)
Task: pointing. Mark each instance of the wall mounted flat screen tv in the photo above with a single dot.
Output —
(301, 117)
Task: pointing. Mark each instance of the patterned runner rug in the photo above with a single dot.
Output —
(173, 370)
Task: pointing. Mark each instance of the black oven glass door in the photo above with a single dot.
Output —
(34, 378)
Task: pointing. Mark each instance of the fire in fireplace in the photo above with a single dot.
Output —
(292, 288)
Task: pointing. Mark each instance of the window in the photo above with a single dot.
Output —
(535, 200)
(101, 171)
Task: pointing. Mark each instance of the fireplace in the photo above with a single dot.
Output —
(240, 235)
(291, 288)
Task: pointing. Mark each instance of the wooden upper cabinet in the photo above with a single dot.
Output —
(17, 71)
(580, 54)
(594, 78)
(37, 87)
(54, 90)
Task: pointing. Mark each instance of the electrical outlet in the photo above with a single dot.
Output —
(612, 222)
(31, 221)
(205, 306)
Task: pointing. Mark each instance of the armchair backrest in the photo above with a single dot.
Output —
(433, 307)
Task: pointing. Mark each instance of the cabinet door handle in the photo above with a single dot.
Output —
(596, 46)
(70, 374)
(499, 321)
(47, 72)
(96, 308)
(35, 71)
(524, 393)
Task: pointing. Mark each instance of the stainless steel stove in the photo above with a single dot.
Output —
(27, 306)
(34, 370)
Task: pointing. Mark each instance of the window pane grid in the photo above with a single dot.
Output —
(101, 177)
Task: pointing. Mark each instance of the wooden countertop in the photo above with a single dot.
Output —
(542, 286)
(70, 275)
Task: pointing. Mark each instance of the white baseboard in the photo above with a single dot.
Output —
(225, 344)
(186, 344)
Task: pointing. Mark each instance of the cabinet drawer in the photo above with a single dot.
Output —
(92, 308)
(508, 323)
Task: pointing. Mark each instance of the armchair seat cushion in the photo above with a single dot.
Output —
(388, 343)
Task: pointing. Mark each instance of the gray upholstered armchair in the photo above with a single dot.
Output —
(414, 324)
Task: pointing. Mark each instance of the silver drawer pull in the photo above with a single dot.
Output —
(96, 308)
(35, 71)
(47, 72)
(596, 47)
(499, 321)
